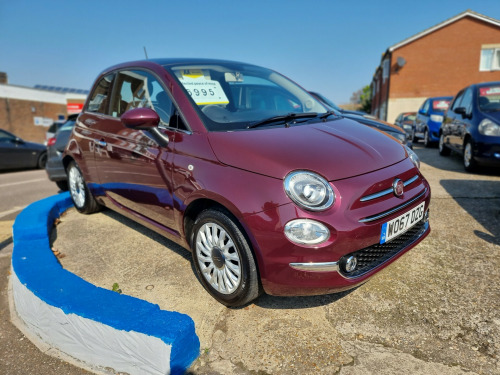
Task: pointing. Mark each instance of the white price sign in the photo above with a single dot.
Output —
(204, 91)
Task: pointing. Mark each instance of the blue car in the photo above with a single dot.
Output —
(429, 120)
(471, 126)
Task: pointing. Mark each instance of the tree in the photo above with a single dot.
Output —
(363, 98)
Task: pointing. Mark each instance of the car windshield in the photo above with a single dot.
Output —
(440, 105)
(68, 125)
(233, 96)
(409, 118)
(489, 98)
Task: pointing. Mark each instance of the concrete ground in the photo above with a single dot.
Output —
(434, 311)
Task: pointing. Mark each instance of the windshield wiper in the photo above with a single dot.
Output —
(327, 114)
(283, 118)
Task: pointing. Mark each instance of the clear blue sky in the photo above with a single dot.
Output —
(328, 46)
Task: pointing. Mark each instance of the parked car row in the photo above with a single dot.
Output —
(468, 124)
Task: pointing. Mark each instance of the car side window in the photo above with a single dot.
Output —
(100, 97)
(457, 101)
(140, 89)
(426, 106)
(6, 137)
(467, 101)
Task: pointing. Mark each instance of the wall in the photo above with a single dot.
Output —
(443, 62)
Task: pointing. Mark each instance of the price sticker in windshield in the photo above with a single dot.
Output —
(204, 91)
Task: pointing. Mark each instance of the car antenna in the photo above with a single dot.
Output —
(145, 52)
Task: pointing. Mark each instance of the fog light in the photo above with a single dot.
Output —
(351, 263)
(307, 232)
(426, 216)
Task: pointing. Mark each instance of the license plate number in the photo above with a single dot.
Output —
(402, 223)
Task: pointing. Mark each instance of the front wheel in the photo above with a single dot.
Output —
(470, 164)
(223, 259)
(83, 200)
(427, 141)
(443, 150)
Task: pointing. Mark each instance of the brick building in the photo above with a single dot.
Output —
(439, 61)
(28, 112)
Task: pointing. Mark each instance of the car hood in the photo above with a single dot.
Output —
(336, 150)
(493, 116)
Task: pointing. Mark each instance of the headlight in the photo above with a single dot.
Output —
(309, 190)
(488, 127)
(305, 231)
(414, 157)
(437, 118)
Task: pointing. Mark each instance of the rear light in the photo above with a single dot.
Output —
(51, 141)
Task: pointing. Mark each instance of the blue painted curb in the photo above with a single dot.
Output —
(38, 269)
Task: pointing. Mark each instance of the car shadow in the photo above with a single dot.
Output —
(264, 301)
(484, 206)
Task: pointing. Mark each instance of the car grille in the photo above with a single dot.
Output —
(373, 256)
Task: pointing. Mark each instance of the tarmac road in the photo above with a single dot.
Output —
(18, 356)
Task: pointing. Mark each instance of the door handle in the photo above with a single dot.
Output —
(100, 143)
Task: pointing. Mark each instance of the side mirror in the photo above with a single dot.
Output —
(140, 118)
(422, 112)
(18, 140)
(461, 111)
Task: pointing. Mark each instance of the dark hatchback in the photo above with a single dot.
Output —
(268, 189)
(471, 126)
(366, 119)
(55, 148)
(16, 153)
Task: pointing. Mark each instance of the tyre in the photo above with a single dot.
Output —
(470, 164)
(83, 200)
(427, 142)
(62, 185)
(443, 150)
(42, 160)
(223, 259)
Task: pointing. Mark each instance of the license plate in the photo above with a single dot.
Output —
(402, 223)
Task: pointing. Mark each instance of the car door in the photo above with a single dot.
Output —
(462, 119)
(134, 167)
(422, 118)
(15, 153)
(449, 126)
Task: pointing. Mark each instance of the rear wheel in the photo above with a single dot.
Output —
(470, 163)
(223, 259)
(443, 150)
(83, 200)
(42, 160)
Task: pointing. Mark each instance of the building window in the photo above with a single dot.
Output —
(490, 58)
(385, 69)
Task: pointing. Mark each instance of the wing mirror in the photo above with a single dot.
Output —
(140, 118)
(461, 111)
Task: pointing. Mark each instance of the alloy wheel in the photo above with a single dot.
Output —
(76, 186)
(218, 258)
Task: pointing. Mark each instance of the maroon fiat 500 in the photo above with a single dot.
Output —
(269, 190)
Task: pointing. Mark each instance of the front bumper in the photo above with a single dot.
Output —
(488, 153)
(290, 269)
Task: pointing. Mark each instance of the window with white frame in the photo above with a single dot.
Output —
(490, 57)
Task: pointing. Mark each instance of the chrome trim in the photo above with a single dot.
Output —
(395, 209)
(316, 267)
(387, 191)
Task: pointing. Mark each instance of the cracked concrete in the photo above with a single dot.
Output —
(434, 311)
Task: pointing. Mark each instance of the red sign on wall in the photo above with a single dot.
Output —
(74, 107)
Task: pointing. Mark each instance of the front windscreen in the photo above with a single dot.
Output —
(489, 98)
(232, 96)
